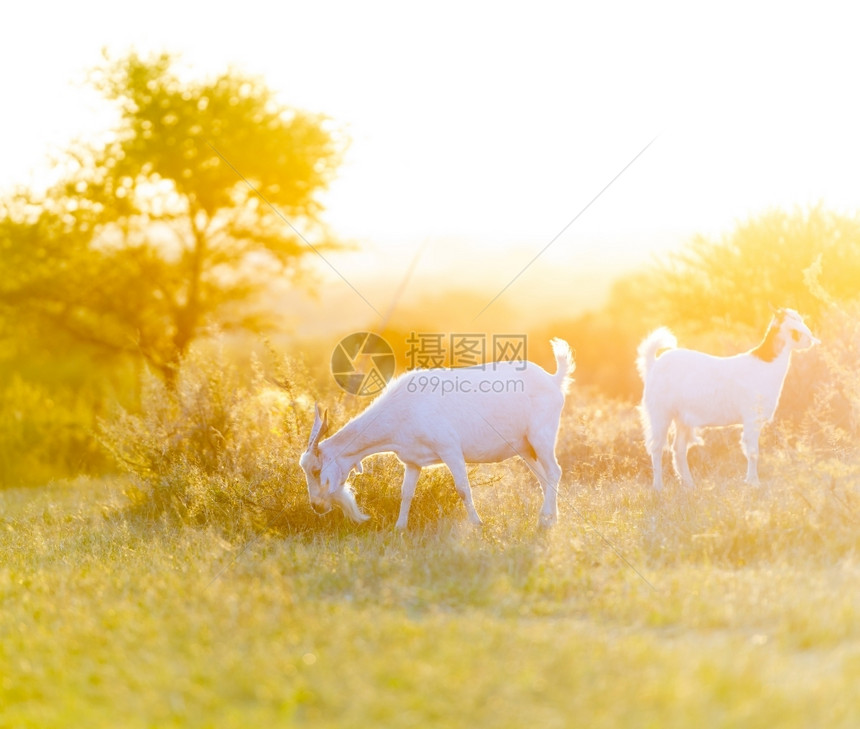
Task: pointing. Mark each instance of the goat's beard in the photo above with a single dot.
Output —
(345, 500)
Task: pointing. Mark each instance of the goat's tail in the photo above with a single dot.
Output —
(651, 347)
(565, 364)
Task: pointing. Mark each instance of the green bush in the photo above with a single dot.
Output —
(45, 433)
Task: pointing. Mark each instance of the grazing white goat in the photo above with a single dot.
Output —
(481, 414)
(694, 390)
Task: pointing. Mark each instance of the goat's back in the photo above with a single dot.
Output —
(491, 411)
(702, 389)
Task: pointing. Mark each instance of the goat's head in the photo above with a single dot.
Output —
(793, 332)
(326, 475)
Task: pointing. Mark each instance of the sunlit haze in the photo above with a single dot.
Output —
(479, 131)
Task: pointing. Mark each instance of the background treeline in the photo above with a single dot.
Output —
(717, 294)
(164, 243)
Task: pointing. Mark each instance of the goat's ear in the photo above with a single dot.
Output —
(331, 484)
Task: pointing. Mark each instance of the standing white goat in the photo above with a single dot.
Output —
(694, 390)
(479, 414)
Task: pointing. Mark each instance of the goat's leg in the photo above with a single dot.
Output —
(546, 468)
(679, 454)
(749, 443)
(407, 491)
(658, 429)
(457, 466)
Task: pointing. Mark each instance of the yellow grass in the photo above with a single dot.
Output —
(724, 607)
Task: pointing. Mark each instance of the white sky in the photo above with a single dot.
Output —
(485, 127)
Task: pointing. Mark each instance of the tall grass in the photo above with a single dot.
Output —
(725, 606)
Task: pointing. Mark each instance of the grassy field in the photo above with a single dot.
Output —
(727, 607)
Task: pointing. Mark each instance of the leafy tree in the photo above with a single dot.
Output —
(176, 221)
(804, 258)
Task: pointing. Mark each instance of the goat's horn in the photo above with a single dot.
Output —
(319, 427)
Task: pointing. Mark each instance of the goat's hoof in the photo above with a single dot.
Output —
(547, 520)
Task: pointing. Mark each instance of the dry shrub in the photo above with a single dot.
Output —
(221, 448)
